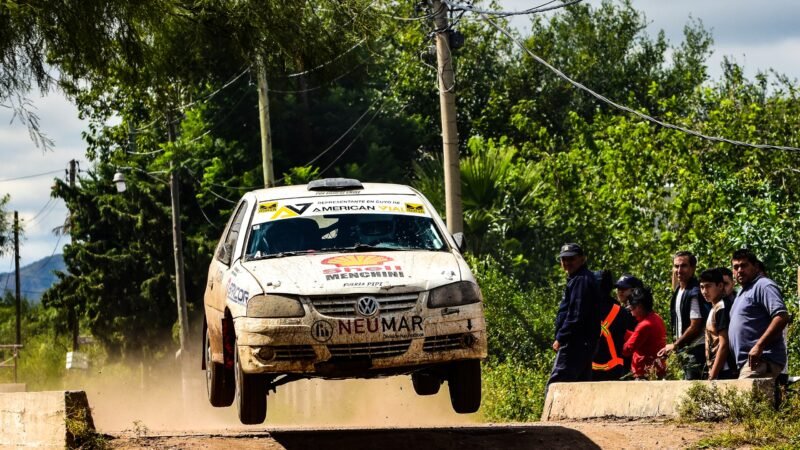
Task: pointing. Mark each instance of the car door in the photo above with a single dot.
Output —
(222, 261)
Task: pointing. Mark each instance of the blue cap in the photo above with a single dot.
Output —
(570, 249)
(627, 281)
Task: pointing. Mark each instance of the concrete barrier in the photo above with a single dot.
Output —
(53, 419)
(629, 399)
(13, 387)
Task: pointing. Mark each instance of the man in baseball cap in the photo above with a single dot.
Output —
(577, 321)
(624, 286)
(570, 249)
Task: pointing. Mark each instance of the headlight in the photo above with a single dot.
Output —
(274, 306)
(456, 294)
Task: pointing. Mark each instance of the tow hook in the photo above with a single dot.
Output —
(450, 311)
(468, 340)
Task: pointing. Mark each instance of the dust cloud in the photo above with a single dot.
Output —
(133, 399)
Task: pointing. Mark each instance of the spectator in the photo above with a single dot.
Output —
(719, 359)
(577, 321)
(758, 317)
(624, 286)
(688, 313)
(615, 320)
(650, 336)
(727, 281)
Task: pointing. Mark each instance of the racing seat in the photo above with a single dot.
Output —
(292, 235)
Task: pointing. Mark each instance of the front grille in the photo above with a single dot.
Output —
(369, 349)
(443, 343)
(294, 352)
(345, 305)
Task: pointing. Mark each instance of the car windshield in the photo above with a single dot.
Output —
(342, 232)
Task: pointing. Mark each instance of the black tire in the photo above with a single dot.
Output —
(425, 383)
(251, 394)
(220, 383)
(464, 381)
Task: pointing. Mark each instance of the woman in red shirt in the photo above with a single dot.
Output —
(650, 336)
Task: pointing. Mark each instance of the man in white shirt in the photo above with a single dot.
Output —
(689, 313)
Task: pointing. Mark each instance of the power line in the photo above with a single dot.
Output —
(161, 150)
(604, 99)
(51, 205)
(386, 100)
(205, 188)
(192, 103)
(334, 80)
(407, 19)
(58, 241)
(31, 176)
(204, 214)
(346, 132)
(211, 95)
(535, 10)
(358, 44)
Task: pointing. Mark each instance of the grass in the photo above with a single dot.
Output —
(81, 434)
(753, 419)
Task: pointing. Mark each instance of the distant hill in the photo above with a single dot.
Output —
(35, 278)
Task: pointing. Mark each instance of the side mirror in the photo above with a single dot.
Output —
(224, 253)
(461, 241)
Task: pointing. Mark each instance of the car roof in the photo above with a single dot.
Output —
(301, 191)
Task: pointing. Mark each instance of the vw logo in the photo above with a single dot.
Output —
(367, 306)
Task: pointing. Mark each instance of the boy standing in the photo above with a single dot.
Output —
(719, 359)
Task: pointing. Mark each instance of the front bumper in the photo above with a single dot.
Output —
(318, 345)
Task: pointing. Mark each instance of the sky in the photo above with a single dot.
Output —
(759, 35)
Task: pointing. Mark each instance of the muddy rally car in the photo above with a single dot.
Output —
(340, 279)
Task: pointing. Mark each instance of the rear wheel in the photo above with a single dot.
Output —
(219, 380)
(464, 382)
(425, 383)
(251, 394)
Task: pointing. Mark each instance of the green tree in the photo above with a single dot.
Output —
(6, 226)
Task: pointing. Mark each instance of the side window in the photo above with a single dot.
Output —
(225, 251)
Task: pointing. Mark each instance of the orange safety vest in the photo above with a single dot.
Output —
(612, 349)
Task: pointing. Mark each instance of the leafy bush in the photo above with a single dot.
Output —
(520, 321)
(704, 402)
(760, 424)
(521, 324)
(513, 392)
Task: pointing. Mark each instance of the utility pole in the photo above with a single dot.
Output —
(17, 300)
(177, 249)
(447, 104)
(73, 316)
(263, 119)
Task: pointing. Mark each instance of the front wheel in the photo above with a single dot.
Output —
(425, 383)
(464, 381)
(251, 394)
(219, 380)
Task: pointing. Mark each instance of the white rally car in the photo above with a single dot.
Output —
(340, 280)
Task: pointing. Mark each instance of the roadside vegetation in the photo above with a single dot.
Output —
(542, 162)
(751, 418)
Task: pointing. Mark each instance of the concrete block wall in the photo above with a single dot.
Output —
(39, 419)
(629, 399)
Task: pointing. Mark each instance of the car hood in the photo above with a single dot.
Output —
(332, 273)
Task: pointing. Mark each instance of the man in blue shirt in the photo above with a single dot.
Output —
(577, 321)
(758, 317)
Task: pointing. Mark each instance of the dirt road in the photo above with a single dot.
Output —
(351, 414)
(570, 435)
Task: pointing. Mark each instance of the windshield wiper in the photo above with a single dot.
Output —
(257, 257)
(281, 254)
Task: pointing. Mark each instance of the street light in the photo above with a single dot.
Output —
(119, 182)
(180, 286)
